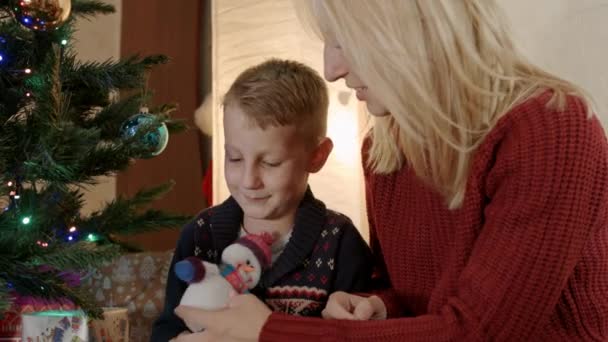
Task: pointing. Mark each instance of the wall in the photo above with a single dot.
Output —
(566, 37)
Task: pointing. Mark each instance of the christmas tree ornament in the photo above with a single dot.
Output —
(41, 15)
(155, 141)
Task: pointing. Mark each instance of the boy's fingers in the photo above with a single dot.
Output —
(201, 317)
(336, 312)
(364, 310)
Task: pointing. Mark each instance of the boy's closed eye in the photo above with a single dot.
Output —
(272, 163)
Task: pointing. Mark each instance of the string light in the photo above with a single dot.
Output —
(10, 183)
(92, 237)
(72, 229)
(64, 42)
(70, 238)
(26, 220)
(28, 71)
(1, 58)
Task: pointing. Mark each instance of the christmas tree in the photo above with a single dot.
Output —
(63, 123)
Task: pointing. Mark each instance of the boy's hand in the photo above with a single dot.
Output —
(342, 305)
(242, 320)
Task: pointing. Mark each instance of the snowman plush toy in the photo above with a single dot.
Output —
(210, 286)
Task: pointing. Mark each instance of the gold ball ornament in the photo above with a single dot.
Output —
(41, 15)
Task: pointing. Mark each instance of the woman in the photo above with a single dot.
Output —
(487, 184)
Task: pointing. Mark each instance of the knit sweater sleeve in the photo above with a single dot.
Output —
(381, 283)
(547, 195)
(168, 325)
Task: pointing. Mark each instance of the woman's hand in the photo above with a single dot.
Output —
(342, 305)
(242, 321)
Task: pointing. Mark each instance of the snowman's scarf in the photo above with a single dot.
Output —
(234, 278)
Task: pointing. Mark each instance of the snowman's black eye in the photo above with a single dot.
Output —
(248, 262)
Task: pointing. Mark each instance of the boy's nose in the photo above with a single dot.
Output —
(251, 178)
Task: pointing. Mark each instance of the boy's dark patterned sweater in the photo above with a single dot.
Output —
(325, 254)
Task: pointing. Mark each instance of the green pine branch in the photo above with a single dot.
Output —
(77, 256)
(110, 119)
(46, 284)
(110, 74)
(122, 215)
(5, 297)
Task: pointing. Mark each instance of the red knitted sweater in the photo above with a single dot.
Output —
(524, 259)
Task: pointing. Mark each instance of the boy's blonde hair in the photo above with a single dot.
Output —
(446, 70)
(281, 93)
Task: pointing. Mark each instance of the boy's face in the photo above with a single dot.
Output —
(266, 170)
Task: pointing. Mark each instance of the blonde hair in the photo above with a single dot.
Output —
(446, 70)
(280, 93)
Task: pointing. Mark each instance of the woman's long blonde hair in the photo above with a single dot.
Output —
(445, 69)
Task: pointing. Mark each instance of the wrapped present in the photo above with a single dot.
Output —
(134, 281)
(113, 328)
(54, 326)
(10, 325)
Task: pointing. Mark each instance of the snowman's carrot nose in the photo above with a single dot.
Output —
(248, 268)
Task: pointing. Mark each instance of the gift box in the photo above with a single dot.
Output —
(55, 326)
(10, 325)
(113, 328)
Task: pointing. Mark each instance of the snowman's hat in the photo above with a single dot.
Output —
(260, 246)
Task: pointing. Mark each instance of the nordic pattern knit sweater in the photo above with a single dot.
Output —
(324, 254)
(525, 258)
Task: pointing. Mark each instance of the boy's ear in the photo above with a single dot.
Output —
(320, 155)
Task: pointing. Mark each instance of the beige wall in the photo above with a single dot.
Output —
(99, 40)
(567, 37)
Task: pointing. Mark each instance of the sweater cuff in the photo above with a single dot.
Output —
(280, 326)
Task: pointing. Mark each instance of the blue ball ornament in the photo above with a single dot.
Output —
(155, 140)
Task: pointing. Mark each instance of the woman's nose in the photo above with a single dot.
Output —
(335, 66)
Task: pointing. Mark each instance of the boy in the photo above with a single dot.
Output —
(275, 118)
